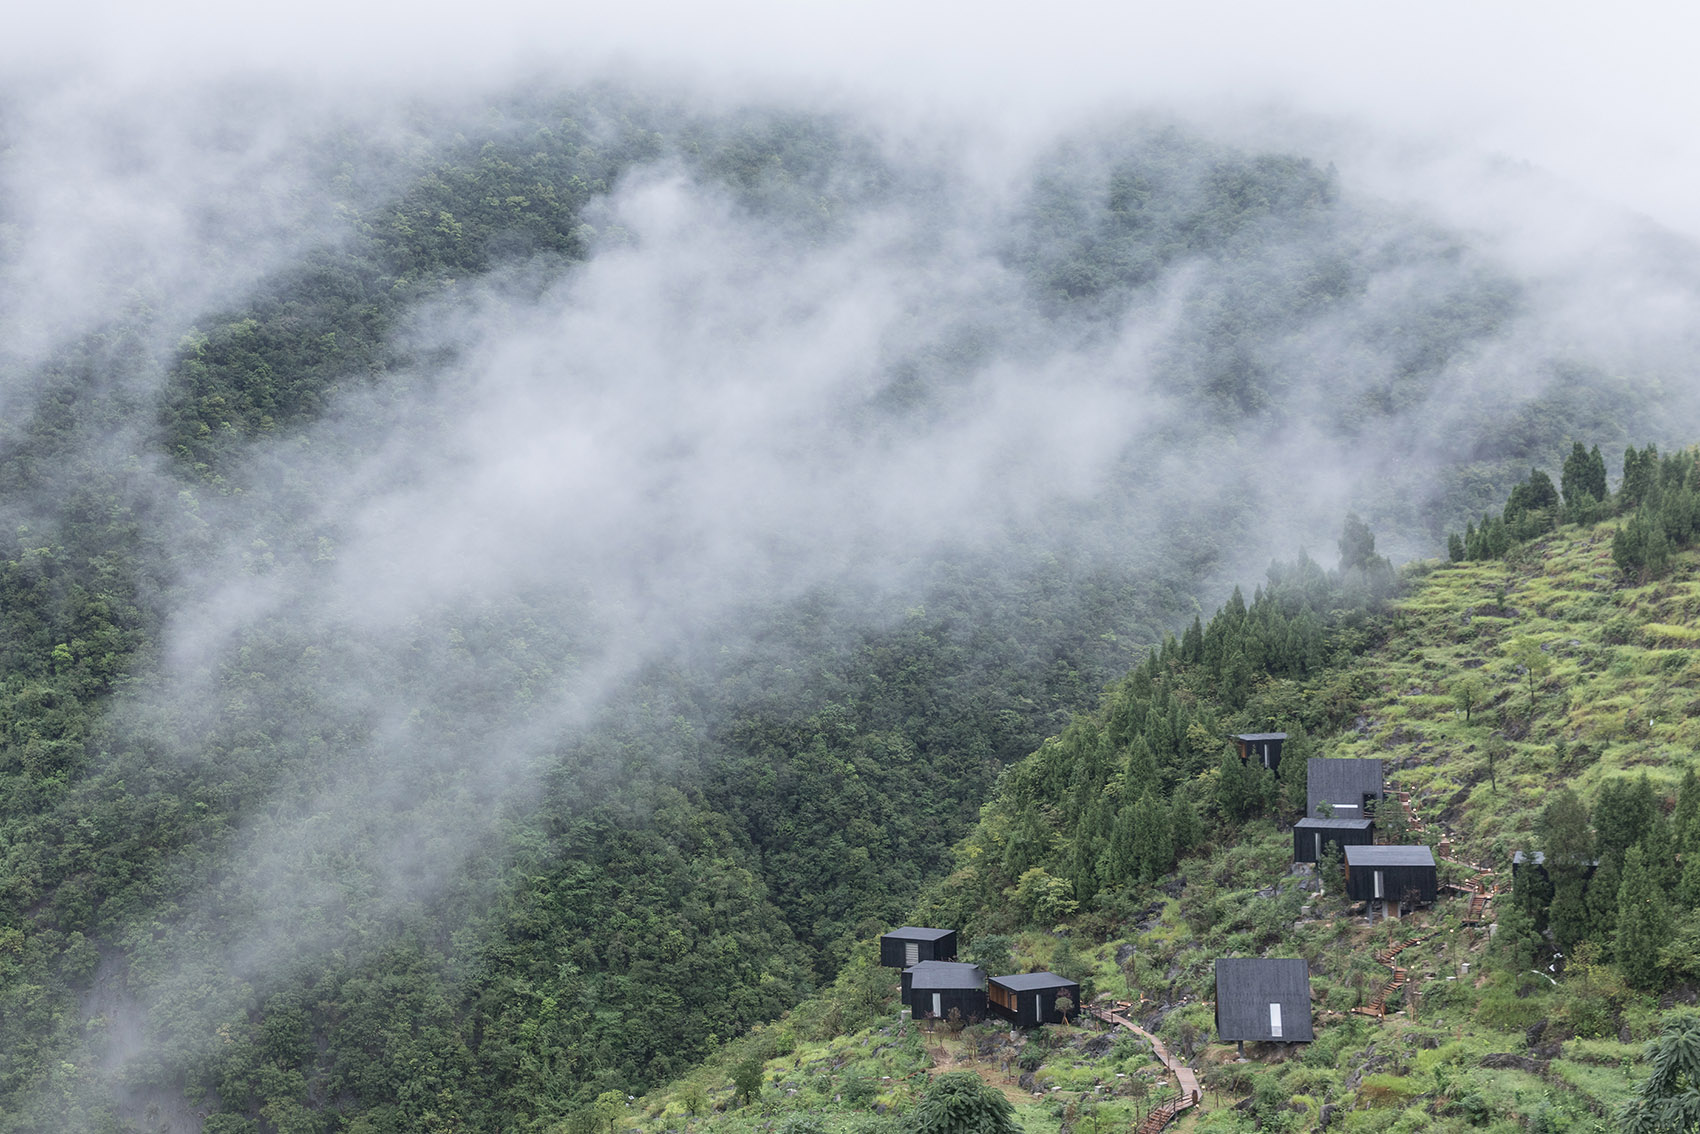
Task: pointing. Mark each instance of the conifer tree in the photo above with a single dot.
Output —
(1685, 835)
(1602, 903)
(1643, 923)
(1233, 793)
(1185, 831)
(1576, 479)
(1153, 850)
(1688, 890)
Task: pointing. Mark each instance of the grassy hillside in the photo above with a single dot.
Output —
(1477, 1040)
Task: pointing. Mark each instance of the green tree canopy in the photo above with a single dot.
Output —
(959, 1103)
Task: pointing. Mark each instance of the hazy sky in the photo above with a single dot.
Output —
(1602, 97)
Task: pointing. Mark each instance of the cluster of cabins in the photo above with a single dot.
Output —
(1341, 801)
(935, 983)
(1257, 1000)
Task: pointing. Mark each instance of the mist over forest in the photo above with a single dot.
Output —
(597, 545)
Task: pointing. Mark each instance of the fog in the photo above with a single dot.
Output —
(624, 460)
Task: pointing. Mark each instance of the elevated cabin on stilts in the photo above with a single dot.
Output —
(1030, 999)
(1351, 788)
(933, 988)
(1405, 875)
(1264, 1001)
(913, 944)
(1312, 837)
(1261, 747)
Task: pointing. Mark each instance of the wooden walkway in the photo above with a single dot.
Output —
(1185, 1078)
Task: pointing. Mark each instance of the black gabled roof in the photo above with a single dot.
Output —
(1027, 982)
(945, 974)
(1341, 782)
(1389, 856)
(920, 933)
(1247, 986)
(1335, 824)
(1260, 736)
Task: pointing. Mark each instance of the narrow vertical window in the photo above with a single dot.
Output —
(1275, 1020)
(938, 1008)
(912, 953)
(1378, 892)
(1319, 846)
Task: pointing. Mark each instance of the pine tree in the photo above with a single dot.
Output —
(1185, 831)
(1576, 479)
(1688, 890)
(1602, 906)
(1153, 848)
(1568, 918)
(1233, 794)
(1643, 923)
(1685, 835)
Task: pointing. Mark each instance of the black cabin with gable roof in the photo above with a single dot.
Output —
(1351, 788)
(1263, 1001)
(1262, 747)
(1312, 837)
(933, 988)
(1396, 874)
(913, 944)
(1030, 999)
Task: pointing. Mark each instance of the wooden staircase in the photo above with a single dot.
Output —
(1186, 1080)
(1377, 1007)
(1163, 1115)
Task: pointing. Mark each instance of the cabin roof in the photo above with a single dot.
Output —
(1335, 824)
(1341, 783)
(931, 975)
(1260, 736)
(1389, 856)
(1247, 986)
(1539, 858)
(1026, 982)
(920, 933)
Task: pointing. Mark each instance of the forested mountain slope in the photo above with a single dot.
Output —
(494, 600)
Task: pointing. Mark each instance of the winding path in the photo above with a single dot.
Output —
(1185, 1078)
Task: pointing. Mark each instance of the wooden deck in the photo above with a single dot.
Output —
(1185, 1078)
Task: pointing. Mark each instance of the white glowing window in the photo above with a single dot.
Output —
(1378, 892)
(938, 1010)
(1319, 848)
(911, 953)
(1275, 1020)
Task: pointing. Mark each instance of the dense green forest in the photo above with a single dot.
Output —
(303, 830)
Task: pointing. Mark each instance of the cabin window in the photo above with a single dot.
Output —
(1038, 1008)
(1378, 891)
(911, 953)
(1275, 1020)
(1002, 997)
(1319, 847)
(938, 1006)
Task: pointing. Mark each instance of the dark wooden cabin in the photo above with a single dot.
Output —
(913, 944)
(1262, 747)
(933, 988)
(1265, 1001)
(1030, 998)
(1397, 874)
(1311, 837)
(1351, 788)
